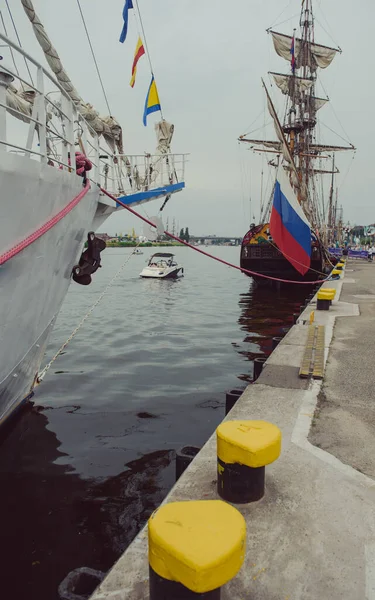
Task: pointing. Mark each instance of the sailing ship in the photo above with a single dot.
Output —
(296, 151)
(56, 153)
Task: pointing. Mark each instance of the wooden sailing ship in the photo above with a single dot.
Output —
(296, 150)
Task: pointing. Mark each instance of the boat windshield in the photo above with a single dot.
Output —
(161, 262)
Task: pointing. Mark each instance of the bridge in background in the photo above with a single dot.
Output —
(216, 239)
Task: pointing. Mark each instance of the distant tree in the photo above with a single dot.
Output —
(182, 235)
(187, 236)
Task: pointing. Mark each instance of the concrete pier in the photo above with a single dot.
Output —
(312, 536)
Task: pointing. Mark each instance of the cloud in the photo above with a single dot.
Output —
(208, 58)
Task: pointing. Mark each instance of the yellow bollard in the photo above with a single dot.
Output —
(328, 291)
(194, 548)
(244, 448)
(312, 316)
(336, 272)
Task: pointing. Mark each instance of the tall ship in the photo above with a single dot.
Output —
(298, 154)
(56, 155)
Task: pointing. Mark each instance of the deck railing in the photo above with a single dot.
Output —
(53, 130)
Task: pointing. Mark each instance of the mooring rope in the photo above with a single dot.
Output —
(44, 228)
(42, 374)
(220, 260)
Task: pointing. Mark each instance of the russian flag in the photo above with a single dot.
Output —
(293, 58)
(289, 226)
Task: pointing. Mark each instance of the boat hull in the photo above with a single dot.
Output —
(267, 264)
(170, 274)
(33, 283)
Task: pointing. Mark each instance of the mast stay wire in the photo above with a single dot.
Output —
(338, 135)
(285, 21)
(42, 373)
(9, 47)
(335, 114)
(93, 56)
(243, 181)
(18, 39)
(327, 23)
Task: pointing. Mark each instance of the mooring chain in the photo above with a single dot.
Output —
(42, 374)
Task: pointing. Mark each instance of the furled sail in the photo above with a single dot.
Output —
(328, 148)
(315, 56)
(20, 102)
(266, 143)
(313, 148)
(286, 82)
(317, 103)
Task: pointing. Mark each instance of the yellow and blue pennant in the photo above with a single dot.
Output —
(152, 103)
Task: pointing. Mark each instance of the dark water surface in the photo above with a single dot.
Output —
(83, 469)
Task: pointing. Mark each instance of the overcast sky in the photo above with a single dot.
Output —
(208, 58)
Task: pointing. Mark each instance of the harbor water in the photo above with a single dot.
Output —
(84, 467)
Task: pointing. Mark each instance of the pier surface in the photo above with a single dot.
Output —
(313, 534)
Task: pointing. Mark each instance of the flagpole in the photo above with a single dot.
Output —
(146, 46)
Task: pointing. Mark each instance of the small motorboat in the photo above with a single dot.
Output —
(137, 251)
(162, 266)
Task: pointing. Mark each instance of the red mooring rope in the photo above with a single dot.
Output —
(224, 262)
(44, 228)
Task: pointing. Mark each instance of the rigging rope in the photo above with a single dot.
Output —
(18, 39)
(281, 14)
(297, 261)
(44, 228)
(224, 262)
(10, 48)
(94, 57)
(43, 372)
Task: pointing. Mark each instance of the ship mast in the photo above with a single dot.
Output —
(298, 128)
(331, 210)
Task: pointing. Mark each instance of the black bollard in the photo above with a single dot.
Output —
(258, 367)
(323, 304)
(231, 399)
(164, 589)
(275, 342)
(184, 456)
(295, 317)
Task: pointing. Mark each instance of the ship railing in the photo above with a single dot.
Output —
(142, 172)
(39, 120)
(32, 121)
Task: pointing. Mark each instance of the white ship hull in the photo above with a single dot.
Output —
(34, 283)
(39, 139)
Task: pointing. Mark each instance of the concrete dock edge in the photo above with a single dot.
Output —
(313, 534)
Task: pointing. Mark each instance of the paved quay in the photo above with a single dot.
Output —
(312, 536)
(344, 425)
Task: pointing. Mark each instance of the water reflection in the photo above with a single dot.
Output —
(54, 521)
(123, 504)
(265, 313)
